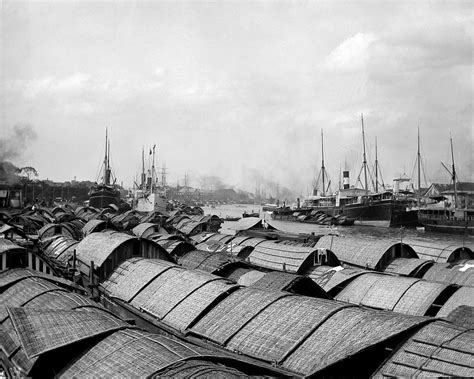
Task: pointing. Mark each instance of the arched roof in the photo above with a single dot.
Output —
(93, 225)
(145, 227)
(7, 245)
(98, 246)
(461, 273)
(408, 266)
(172, 294)
(394, 293)
(50, 319)
(439, 349)
(298, 333)
(331, 279)
(463, 296)
(440, 252)
(282, 257)
(365, 253)
(209, 261)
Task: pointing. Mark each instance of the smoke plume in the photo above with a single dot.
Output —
(13, 146)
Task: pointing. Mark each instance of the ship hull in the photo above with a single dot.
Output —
(102, 198)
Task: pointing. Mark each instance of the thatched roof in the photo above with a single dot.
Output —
(173, 294)
(138, 354)
(463, 296)
(51, 229)
(365, 253)
(439, 252)
(463, 316)
(408, 266)
(98, 246)
(461, 273)
(11, 276)
(60, 250)
(21, 288)
(145, 229)
(7, 245)
(201, 237)
(246, 223)
(95, 225)
(252, 242)
(394, 293)
(439, 349)
(284, 281)
(132, 275)
(43, 330)
(283, 257)
(209, 261)
(335, 279)
(303, 335)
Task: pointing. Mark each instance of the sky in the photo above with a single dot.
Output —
(237, 90)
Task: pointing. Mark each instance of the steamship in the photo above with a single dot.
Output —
(106, 192)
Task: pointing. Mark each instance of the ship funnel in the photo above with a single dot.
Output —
(345, 179)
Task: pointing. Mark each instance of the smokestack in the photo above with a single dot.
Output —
(345, 179)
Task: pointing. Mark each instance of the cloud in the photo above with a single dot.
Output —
(352, 55)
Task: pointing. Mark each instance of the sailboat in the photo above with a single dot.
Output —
(448, 218)
(106, 192)
(148, 196)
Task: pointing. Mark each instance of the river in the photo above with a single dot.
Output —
(236, 210)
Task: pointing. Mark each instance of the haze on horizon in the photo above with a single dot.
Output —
(237, 91)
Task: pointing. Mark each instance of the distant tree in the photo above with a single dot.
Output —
(29, 171)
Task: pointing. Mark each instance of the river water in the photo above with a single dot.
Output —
(236, 210)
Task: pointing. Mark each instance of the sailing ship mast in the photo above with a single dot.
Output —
(106, 179)
(365, 160)
(454, 176)
(322, 162)
(419, 170)
(376, 168)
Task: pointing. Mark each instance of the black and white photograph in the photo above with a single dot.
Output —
(236, 188)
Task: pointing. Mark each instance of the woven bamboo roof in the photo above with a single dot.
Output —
(302, 334)
(292, 258)
(285, 281)
(145, 229)
(439, 252)
(250, 277)
(201, 237)
(333, 279)
(11, 276)
(394, 293)
(93, 225)
(365, 253)
(209, 261)
(439, 349)
(178, 296)
(463, 316)
(44, 330)
(246, 223)
(98, 246)
(210, 246)
(461, 273)
(135, 353)
(223, 238)
(463, 296)
(171, 293)
(407, 266)
(20, 289)
(132, 275)
(252, 242)
(7, 245)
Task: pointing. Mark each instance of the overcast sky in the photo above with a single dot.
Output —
(238, 90)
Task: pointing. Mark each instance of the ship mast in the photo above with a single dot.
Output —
(419, 170)
(376, 168)
(322, 162)
(454, 176)
(106, 160)
(143, 168)
(153, 170)
(365, 160)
